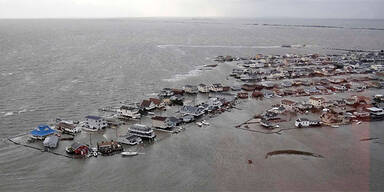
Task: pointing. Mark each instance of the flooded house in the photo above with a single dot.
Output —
(148, 105)
(67, 127)
(317, 102)
(330, 117)
(248, 87)
(216, 87)
(303, 122)
(108, 147)
(190, 89)
(242, 95)
(192, 110)
(160, 122)
(257, 94)
(77, 149)
(158, 103)
(203, 88)
(129, 112)
(41, 132)
(51, 141)
(177, 99)
(142, 131)
(376, 113)
(166, 92)
(289, 105)
(95, 123)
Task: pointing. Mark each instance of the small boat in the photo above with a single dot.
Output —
(151, 113)
(335, 126)
(129, 153)
(359, 122)
(204, 122)
(199, 124)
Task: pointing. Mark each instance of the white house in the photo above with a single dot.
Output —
(191, 89)
(301, 122)
(203, 88)
(217, 87)
(148, 105)
(95, 122)
(316, 101)
(129, 112)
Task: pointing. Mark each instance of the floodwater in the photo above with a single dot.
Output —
(70, 68)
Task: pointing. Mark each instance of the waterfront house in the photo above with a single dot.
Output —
(203, 88)
(142, 131)
(95, 123)
(192, 110)
(159, 122)
(242, 95)
(178, 91)
(316, 101)
(174, 121)
(67, 127)
(288, 104)
(148, 105)
(157, 102)
(216, 87)
(289, 92)
(188, 118)
(77, 149)
(248, 87)
(51, 141)
(166, 92)
(42, 131)
(129, 112)
(330, 117)
(376, 113)
(107, 147)
(257, 94)
(268, 94)
(303, 122)
(177, 99)
(286, 84)
(190, 89)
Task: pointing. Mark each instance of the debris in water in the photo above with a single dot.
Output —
(369, 139)
(292, 152)
(250, 161)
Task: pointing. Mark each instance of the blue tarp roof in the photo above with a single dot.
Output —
(42, 130)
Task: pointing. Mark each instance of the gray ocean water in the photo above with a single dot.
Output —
(70, 68)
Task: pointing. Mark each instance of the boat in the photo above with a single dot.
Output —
(359, 122)
(204, 122)
(335, 126)
(199, 124)
(129, 153)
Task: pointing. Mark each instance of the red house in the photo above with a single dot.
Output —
(77, 149)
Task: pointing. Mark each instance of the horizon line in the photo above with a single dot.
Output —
(188, 17)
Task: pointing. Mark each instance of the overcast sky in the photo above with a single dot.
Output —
(192, 8)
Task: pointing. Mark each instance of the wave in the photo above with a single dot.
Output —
(8, 114)
(238, 46)
(222, 46)
(179, 77)
(320, 26)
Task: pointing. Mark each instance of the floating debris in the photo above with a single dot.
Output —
(369, 139)
(292, 152)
